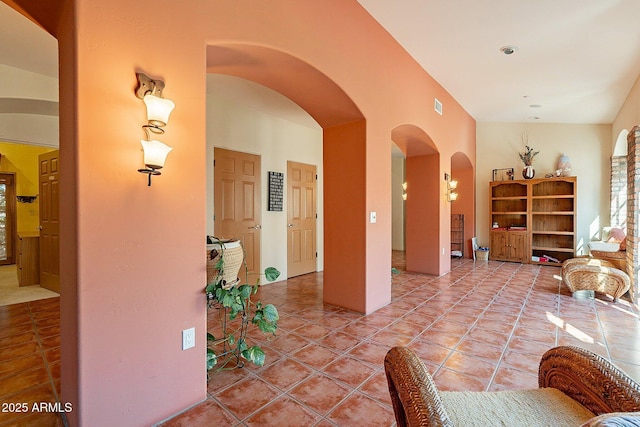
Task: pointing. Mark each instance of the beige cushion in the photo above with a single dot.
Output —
(519, 408)
(615, 419)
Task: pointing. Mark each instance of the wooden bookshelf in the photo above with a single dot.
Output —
(546, 208)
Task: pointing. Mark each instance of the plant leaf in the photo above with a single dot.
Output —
(254, 355)
(270, 313)
(232, 339)
(210, 337)
(212, 359)
(271, 273)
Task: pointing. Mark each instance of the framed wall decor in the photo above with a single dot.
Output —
(505, 174)
(275, 191)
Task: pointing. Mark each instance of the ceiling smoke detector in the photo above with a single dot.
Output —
(509, 49)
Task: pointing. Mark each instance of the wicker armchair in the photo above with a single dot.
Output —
(591, 274)
(575, 386)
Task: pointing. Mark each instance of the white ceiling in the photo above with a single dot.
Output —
(577, 59)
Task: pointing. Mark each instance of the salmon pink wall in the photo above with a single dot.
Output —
(423, 207)
(344, 178)
(133, 268)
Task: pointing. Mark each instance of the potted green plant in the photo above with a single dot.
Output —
(237, 313)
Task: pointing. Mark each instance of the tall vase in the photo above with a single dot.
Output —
(528, 172)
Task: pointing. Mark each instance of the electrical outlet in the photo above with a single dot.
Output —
(188, 338)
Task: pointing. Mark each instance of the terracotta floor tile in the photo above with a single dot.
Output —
(480, 349)
(288, 343)
(470, 365)
(339, 341)
(370, 352)
(349, 371)
(523, 361)
(377, 387)
(313, 332)
(283, 412)
(427, 351)
(247, 396)
(315, 355)
(208, 413)
(507, 378)
(223, 379)
(290, 323)
(285, 373)
(448, 380)
(359, 409)
(320, 393)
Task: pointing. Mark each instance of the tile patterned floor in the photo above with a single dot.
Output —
(29, 362)
(483, 326)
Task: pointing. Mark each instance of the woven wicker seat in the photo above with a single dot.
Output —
(575, 385)
(591, 274)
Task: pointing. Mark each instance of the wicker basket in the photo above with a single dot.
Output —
(482, 255)
(232, 255)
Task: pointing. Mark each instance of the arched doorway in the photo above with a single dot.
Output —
(462, 172)
(424, 197)
(343, 148)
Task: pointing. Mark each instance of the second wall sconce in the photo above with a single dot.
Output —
(404, 191)
(158, 111)
(451, 186)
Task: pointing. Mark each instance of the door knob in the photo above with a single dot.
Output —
(256, 227)
(289, 225)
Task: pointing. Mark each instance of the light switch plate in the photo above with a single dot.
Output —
(372, 217)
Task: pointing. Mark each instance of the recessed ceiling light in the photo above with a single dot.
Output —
(509, 49)
(534, 117)
(535, 106)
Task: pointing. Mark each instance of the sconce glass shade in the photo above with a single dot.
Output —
(453, 196)
(404, 186)
(158, 110)
(155, 153)
(453, 185)
(404, 196)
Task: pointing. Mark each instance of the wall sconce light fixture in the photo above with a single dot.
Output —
(451, 186)
(158, 111)
(404, 191)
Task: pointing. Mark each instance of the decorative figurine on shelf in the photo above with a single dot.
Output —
(527, 158)
(563, 167)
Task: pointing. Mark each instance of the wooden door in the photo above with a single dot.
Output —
(301, 219)
(49, 220)
(7, 218)
(237, 203)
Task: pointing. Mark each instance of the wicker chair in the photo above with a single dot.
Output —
(590, 274)
(575, 386)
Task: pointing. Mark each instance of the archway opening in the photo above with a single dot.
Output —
(424, 198)
(343, 148)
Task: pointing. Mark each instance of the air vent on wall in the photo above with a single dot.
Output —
(437, 105)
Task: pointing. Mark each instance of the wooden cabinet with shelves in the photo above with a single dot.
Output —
(543, 211)
(457, 235)
(508, 246)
